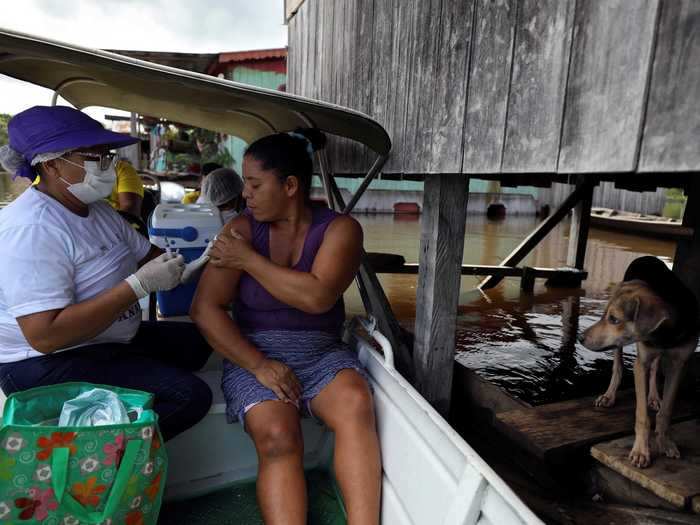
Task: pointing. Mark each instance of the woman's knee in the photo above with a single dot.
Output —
(278, 439)
(355, 406)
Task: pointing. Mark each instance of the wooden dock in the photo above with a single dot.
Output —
(677, 481)
(557, 432)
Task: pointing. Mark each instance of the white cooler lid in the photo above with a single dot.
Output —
(184, 225)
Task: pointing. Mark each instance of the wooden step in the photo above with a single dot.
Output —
(556, 431)
(674, 480)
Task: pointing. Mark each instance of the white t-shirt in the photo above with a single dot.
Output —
(51, 258)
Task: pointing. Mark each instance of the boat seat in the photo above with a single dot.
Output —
(213, 379)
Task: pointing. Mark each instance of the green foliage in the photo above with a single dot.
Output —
(4, 119)
(675, 203)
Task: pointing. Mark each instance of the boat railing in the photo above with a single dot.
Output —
(370, 326)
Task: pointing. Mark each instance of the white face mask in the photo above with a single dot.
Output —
(96, 185)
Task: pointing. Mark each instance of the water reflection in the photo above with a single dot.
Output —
(525, 343)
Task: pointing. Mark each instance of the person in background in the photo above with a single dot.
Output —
(223, 188)
(127, 194)
(193, 196)
(74, 271)
(285, 265)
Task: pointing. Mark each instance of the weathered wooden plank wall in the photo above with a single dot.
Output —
(611, 52)
(489, 83)
(489, 86)
(538, 86)
(672, 129)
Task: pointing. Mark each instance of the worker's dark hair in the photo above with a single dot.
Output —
(208, 167)
(289, 154)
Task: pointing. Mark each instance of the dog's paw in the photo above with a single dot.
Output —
(667, 447)
(605, 401)
(640, 456)
(654, 402)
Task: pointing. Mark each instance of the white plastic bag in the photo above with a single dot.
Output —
(93, 408)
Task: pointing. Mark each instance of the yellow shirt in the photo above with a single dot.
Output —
(190, 197)
(128, 181)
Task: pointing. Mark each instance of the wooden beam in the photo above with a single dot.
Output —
(578, 230)
(443, 223)
(570, 274)
(526, 246)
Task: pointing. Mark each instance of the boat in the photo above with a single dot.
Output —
(639, 224)
(430, 474)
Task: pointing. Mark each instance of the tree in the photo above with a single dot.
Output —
(4, 119)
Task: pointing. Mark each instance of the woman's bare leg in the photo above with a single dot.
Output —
(345, 405)
(281, 488)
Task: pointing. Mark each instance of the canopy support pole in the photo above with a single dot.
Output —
(67, 82)
(326, 179)
(371, 291)
(376, 168)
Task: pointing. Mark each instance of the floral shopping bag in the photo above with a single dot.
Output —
(111, 475)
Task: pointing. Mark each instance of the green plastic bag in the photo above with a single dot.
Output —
(109, 475)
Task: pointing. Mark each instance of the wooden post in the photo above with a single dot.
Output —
(527, 281)
(443, 223)
(686, 263)
(569, 323)
(133, 152)
(578, 230)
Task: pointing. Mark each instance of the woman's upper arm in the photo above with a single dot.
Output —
(219, 286)
(338, 259)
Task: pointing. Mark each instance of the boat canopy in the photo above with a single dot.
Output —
(89, 77)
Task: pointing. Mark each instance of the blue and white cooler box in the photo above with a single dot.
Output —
(187, 228)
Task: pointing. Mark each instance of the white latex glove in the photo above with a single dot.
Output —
(192, 267)
(159, 274)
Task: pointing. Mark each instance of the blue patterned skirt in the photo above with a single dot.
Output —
(314, 357)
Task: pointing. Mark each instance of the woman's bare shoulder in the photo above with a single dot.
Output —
(241, 224)
(346, 227)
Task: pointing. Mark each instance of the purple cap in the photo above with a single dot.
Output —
(44, 129)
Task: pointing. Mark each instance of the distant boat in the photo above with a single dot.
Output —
(638, 223)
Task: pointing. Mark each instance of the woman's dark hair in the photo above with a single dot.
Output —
(289, 154)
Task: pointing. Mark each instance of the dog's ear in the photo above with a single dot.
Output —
(631, 307)
(650, 316)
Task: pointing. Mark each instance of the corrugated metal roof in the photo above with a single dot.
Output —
(257, 54)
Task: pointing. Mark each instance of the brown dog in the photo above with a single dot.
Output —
(653, 309)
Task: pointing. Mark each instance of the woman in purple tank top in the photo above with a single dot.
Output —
(285, 264)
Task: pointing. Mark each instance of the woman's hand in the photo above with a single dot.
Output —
(231, 250)
(279, 378)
